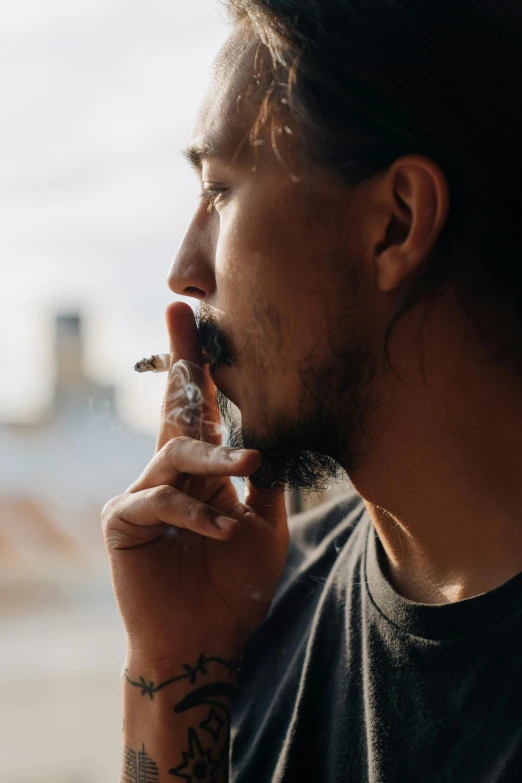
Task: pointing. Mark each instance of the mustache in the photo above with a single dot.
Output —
(214, 338)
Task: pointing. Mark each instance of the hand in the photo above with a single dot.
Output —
(178, 578)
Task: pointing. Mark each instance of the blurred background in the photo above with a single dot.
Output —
(97, 98)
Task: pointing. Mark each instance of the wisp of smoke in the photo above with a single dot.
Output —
(185, 405)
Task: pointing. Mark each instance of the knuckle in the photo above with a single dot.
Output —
(197, 511)
(174, 446)
(110, 509)
(222, 452)
(193, 510)
(162, 496)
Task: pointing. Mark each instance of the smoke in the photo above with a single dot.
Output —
(184, 401)
(103, 415)
(186, 408)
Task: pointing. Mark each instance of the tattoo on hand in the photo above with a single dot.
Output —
(139, 767)
(200, 763)
(191, 674)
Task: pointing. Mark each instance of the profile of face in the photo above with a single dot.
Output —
(296, 275)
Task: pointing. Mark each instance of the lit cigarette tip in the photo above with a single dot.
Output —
(158, 363)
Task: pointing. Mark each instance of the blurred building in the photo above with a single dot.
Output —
(56, 475)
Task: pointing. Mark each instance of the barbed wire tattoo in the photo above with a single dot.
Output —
(191, 673)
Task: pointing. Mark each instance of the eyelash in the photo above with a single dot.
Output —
(211, 197)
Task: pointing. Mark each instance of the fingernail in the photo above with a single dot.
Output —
(237, 455)
(225, 523)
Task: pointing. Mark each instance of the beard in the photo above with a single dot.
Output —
(324, 437)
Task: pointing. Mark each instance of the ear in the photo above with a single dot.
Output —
(414, 198)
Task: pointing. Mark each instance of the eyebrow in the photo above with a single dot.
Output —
(195, 154)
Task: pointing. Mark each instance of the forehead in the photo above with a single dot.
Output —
(229, 105)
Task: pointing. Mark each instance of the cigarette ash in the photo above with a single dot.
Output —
(146, 365)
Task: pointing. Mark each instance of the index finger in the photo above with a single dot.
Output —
(189, 404)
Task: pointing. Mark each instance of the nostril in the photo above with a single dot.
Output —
(191, 290)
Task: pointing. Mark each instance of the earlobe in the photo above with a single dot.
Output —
(417, 196)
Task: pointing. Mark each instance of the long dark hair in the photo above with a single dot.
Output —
(371, 80)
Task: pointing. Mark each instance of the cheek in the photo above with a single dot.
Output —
(273, 277)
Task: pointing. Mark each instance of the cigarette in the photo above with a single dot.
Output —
(159, 363)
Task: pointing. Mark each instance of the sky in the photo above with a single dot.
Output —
(97, 99)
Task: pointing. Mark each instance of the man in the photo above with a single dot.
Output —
(355, 257)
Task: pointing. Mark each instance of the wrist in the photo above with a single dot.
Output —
(178, 711)
(161, 662)
(150, 676)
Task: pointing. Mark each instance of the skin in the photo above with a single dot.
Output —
(302, 274)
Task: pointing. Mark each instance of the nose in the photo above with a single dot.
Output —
(192, 270)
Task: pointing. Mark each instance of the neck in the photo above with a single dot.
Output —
(443, 478)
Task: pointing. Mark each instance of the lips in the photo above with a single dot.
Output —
(207, 358)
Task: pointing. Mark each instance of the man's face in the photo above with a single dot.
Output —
(274, 257)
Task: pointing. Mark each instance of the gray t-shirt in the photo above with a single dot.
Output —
(346, 680)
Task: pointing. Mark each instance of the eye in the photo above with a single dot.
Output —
(212, 196)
